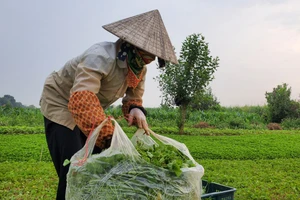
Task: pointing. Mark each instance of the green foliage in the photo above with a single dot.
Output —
(294, 111)
(228, 119)
(24, 148)
(253, 160)
(116, 112)
(28, 120)
(237, 123)
(21, 130)
(279, 103)
(8, 100)
(184, 82)
(165, 156)
(260, 164)
(38, 129)
(205, 101)
(291, 123)
(10, 116)
(27, 180)
(156, 115)
(243, 146)
(288, 125)
(117, 176)
(256, 179)
(195, 70)
(259, 110)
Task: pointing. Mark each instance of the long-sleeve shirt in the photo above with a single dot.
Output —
(96, 70)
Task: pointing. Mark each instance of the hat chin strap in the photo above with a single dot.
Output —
(161, 62)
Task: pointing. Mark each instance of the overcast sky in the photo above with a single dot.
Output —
(257, 41)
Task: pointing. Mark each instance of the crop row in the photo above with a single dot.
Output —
(155, 117)
(241, 147)
(160, 130)
(226, 118)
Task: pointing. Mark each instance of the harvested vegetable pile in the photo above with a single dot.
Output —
(118, 177)
(139, 170)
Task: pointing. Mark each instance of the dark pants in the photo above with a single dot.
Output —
(63, 143)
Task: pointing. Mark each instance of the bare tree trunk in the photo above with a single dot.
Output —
(182, 109)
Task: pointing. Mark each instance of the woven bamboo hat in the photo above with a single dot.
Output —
(147, 32)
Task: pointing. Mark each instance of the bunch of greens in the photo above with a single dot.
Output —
(156, 175)
(118, 177)
(165, 156)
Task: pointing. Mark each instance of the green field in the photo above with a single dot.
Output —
(259, 163)
(261, 166)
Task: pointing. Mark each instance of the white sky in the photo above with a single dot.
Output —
(257, 41)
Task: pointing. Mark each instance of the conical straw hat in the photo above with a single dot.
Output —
(147, 32)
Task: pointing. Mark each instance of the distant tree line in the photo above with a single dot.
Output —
(8, 100)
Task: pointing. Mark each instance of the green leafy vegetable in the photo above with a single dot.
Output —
(155, 175)
(165, 156)
(66, 162)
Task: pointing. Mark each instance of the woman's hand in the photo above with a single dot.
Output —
(140, 118)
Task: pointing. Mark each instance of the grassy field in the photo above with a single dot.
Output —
(260, 166)
(238, 151)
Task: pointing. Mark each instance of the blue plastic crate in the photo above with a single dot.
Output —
(216, 191)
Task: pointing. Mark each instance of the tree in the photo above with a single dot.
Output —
(181, 83)
(8, 100)
(279, 103)
(205, 101)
